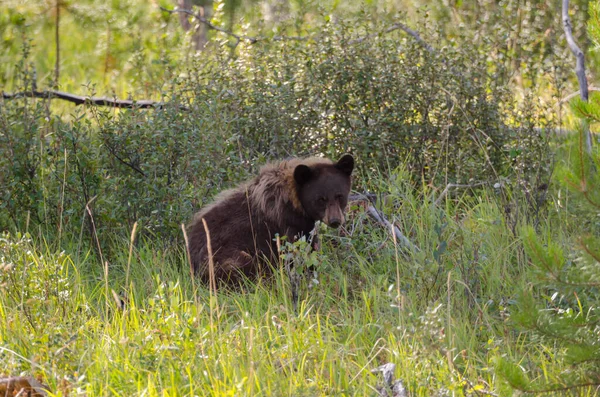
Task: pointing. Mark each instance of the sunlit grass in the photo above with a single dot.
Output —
(442, 323)
(106, 49)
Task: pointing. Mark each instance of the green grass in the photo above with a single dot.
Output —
(444, 322)
(107, 48)
(442, 315)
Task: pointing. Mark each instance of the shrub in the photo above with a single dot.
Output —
(382, 97)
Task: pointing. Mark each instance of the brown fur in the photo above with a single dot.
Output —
(244, 221)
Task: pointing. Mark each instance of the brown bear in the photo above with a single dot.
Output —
(285, 199)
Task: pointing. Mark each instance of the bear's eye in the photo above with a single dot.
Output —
(339, 197)
(322, 200)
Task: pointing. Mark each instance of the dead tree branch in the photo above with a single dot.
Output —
(80, 100)
(404, 242)
(131, 165)
(400, 237)
(363, 197)
(574, 94)
(399, 26)
(455, 186)
(210, 25)
(579, 69)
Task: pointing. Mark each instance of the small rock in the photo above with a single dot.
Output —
(396, 388)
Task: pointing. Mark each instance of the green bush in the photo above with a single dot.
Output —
(384, 98)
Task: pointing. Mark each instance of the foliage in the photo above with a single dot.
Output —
(594, 23)
(384, 98)
(322, 78)
(116, 44)
(122, 46)
(439, 316)
(562, 309)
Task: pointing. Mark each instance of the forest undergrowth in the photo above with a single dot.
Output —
(465, 154)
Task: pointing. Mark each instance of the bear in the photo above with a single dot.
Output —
(285, 199)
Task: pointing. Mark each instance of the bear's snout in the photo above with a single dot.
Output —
(335, 223)
(334, 216)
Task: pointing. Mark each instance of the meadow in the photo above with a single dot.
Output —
(457, 148)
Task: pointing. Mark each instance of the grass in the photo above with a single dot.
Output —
(441, 316)
(105, 48)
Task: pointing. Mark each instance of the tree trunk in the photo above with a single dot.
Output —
(199, 38)
(579, 70)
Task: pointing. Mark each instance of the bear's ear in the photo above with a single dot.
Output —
(302, 174)
(345, 164)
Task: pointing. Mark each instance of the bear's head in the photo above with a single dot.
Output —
(323, 189)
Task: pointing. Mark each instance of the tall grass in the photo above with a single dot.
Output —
(441, 315)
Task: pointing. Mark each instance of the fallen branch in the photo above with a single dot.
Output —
(579, 69)
(80, 100)
(363, 197)
(457, 185)
(404, 242)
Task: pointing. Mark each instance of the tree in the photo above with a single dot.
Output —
(568, 277)
(199, 37)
